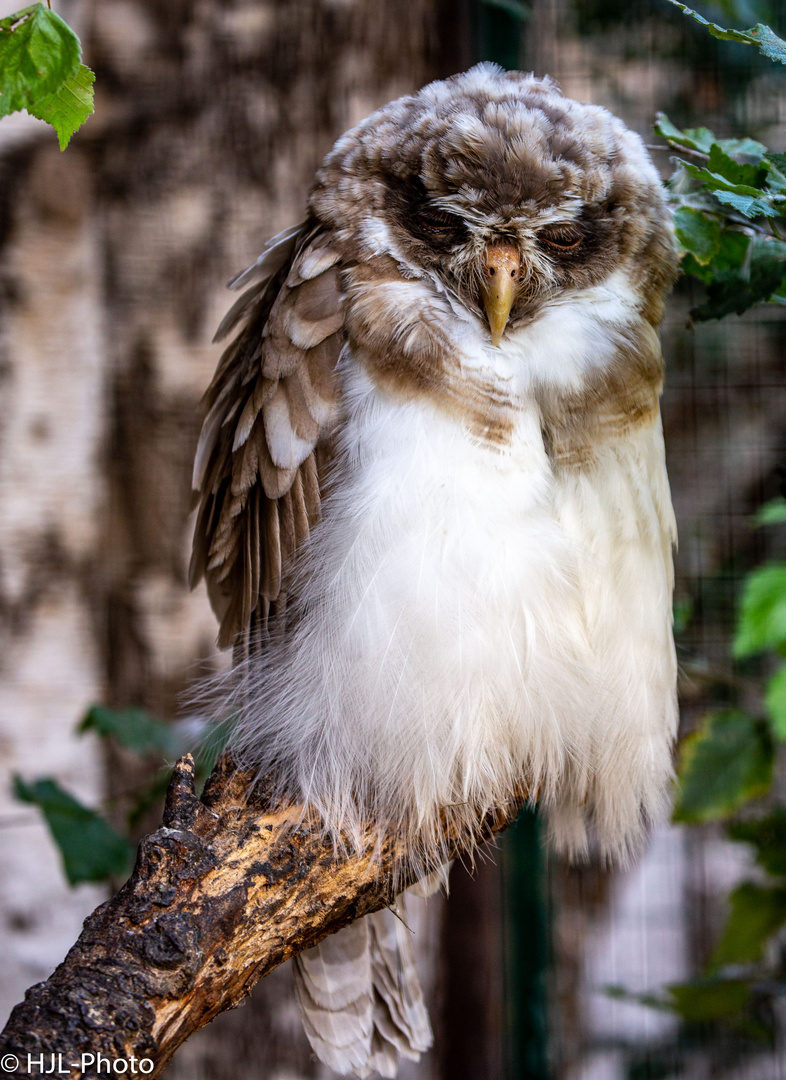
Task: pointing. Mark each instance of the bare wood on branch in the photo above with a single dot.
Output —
(226, 890)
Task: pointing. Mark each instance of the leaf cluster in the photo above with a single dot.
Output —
(729, 205)
(729, 202)
(41, 71)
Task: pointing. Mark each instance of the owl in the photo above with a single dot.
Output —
(434, 517)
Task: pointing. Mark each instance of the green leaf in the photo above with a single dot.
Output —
(91, 849)
(69, 107)
(745, 146)
(730, 256)
(700, 139)
(762, 621)
(778, 160)
(38, 52)
(740, 184)
(717, 181)
(748, 205)
(768, 836)
(772, 513)
(727, 762)
(707, 999)
(756, 913)
(515, 8)
(133, 728)
(739, 288)
(761, 36)
(736, 172)
(775, 702)
(698, 233)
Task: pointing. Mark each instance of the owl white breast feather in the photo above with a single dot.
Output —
(435, 519)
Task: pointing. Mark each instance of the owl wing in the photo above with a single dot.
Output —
(265, 439)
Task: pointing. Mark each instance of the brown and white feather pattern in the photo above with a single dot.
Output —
(479, 586)
(270, 410)
(360, 996)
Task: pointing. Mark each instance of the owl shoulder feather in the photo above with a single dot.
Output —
(269, 414)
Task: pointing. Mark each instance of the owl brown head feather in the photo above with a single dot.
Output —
(491, 157)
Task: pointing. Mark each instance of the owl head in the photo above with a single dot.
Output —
(504, 192)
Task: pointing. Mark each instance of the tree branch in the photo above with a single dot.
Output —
(225, 891)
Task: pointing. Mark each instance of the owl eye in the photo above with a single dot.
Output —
(439, 221)
(437, 228)
(563, 238)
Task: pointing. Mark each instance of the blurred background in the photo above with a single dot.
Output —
(211, 117)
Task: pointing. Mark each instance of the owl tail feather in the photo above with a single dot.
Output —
(360, 998)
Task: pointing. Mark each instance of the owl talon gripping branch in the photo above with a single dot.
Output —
(445, 567)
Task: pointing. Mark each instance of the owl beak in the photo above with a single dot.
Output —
(501, 269)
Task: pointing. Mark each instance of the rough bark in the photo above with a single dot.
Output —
(225, 891)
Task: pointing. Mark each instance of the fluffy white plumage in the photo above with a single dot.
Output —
(472, 623)
(472, 540)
